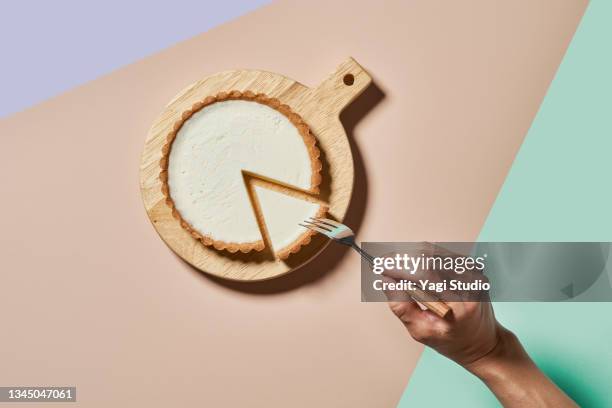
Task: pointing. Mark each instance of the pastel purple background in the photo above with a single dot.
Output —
(48, 47)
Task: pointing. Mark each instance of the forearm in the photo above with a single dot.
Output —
(515, 379)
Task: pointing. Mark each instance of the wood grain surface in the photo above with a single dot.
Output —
(320, 108)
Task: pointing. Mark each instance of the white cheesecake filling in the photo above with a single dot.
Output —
(282, 214)
(207, 158)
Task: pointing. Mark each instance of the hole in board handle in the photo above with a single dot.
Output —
(348, 79)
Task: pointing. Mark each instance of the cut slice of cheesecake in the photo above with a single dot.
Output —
(281, 211)
(207, 152)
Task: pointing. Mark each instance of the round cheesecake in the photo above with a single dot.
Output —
(206, 165)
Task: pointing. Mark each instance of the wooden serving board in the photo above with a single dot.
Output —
(320, 107)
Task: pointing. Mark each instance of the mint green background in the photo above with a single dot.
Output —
(559, 189)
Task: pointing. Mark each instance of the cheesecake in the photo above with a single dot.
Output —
(204, 165)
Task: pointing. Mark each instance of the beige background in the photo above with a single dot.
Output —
(91, 297)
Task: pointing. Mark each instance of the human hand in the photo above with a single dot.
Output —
(466, 334)
(471, 336)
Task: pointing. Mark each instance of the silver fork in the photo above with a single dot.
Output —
(344, 235)
(338, 232)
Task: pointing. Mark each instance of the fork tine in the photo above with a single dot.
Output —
(320, 225)
(317, 229)
(327, 221)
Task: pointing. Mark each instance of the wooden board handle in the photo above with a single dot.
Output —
(341, 87)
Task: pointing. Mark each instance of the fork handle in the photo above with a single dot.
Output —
(430, 301)
(369, 258)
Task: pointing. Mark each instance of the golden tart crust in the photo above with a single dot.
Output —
(309, 141)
